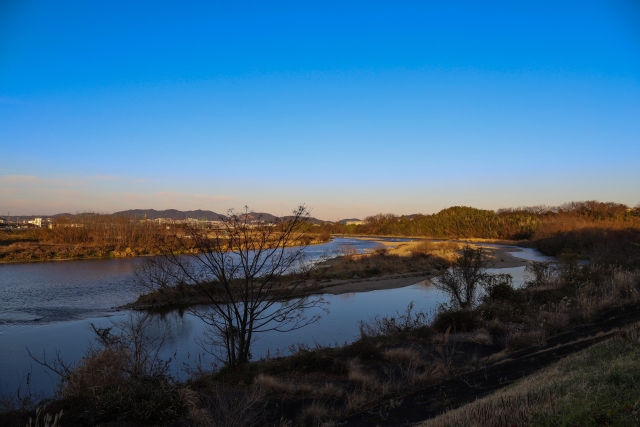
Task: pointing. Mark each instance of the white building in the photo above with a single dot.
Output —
(36, 221)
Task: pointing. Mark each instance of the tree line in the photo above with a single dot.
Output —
(510, 224)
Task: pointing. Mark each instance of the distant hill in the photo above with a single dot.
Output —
(172, 214)
(60, 215)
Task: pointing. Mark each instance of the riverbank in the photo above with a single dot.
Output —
(407, 366)
(25, 249)
(390, 265)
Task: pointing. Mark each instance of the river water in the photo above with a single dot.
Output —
(48, 307)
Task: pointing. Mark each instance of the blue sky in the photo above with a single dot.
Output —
(353, 108)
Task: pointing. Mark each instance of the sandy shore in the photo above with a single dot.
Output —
(500, 258)
(390, 281)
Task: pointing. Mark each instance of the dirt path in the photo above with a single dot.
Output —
(432, 401)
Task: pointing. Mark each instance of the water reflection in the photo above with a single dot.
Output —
(338, 326)
(66, 290)
(103, 284)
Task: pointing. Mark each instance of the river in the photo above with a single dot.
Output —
(49, 306)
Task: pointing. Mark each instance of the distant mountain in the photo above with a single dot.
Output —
(257, 216)
(176, 214)
(263, 216)
(200, 214)
(171, 214)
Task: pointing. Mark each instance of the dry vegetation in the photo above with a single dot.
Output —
(86, 236)
(100, 236)
(591, 229)
(403, 258)
(425, 257)
(597, 386)
(394, 355)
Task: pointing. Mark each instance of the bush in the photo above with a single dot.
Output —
(408, 321)
(501, 291)
(457, 320)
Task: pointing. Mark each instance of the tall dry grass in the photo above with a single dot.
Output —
(596, 386)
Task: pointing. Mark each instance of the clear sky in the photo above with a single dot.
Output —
(353, 108)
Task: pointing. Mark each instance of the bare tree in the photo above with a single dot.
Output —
(467, 277)
(252, 273)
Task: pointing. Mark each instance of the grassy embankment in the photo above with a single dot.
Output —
(393, 357)
(595, 387)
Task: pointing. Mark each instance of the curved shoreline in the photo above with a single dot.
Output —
(501, 256)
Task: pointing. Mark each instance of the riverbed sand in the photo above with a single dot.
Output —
(500, 258)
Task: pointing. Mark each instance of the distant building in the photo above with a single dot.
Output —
(358, 222)
(36, 221)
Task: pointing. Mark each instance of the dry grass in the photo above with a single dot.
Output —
(226, 407)
(330, 391)
(517, 340)
(44, 419)
(95, 374)
(556, 298)
(597, 386)
(482, 336)
(445, 250)
(403, 355)
(312, 415)
(620, 288)
(366, 381)
(355, 401)
(271, 384)
(405, 258)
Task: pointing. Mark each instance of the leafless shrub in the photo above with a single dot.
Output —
(347, 251)
(253, 276)
(468, 275)
(402, 322)
(125, 377)
(540, 274)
